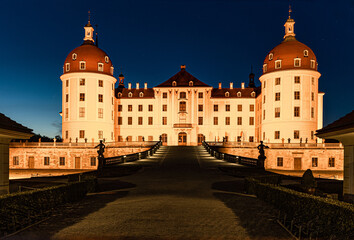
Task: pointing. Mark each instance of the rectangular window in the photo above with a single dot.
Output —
(263, 114)
(227, 107)
(66, 134)
(277, 112)
(279, 161)
(16, 160)
(67, 83)
(82, 81)
(277, 81)
(239, 108)
(67, 67)
(46, 160)
(200, 95)
(182, 95)
(297, 95)
(216, 120)
(297, 62)
(164, 120)
(62, 161)
(250, 138)
(140, 108)
(296, 111)
(312, 96)
(251, 107)
(100, 98)
(120, 138)
(296, 134)
(216, 107)
(100, 67)
(100, 134)
(82, 65)
(164, 95)
(150, 107)
(100, 83)
(130, 108)
(82, 97)
(100, 113)
(200, 120)
(264, 136)
(264, 98)
(67, 98)
(297, 79)
(140, 120)
(277, 64)
(81, 112)
(264, 84)
(164, 107)
(150, 120)
(314, 162)
(251, 121)
(313, 64)
(239, 120)
(277, 135)
(277, 96)
(200, 108)
(93, 161)
(120, 108)
(331, 162)
(120, 120)
(227, 120)
(312, 135)
(313, 81)
(130, 120)
(82, 134)
(312, 112)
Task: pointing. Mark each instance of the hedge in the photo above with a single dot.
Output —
(328, 216)
(18, 210)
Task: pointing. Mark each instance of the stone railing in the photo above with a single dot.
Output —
(80, 144)
(277, 145)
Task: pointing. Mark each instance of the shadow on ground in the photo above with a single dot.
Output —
(255, 216)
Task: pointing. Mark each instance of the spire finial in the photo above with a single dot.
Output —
(89, 16)
(290, 11)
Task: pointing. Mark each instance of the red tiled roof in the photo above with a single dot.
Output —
(148, 93)
(9, 124)
(245, 93)
(182, 79)
(342, 123)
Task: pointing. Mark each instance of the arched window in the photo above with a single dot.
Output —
(297, 62)
(306, 53)
(74, 56)
(100, 67)
(119, 94)
(174, 84)
(106, 59)
(270, 56)
(253, 94)
(238, 94)
(67, 67)
(191, 83)
(277, 64)
(182, 106)
(141, 94)
(130, 94)
(112, 70)
(227, 94)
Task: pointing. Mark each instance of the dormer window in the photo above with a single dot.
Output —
(67, 67)
(227, 94)
(82, 65)
(174, 84)
(130, 94)
(112, 70)
(306, 53)
(74, 56)
(141, 94)
(253, 94)
(191, 83)
(119, 94)
(297, 62)
(106, 59)
(270, 56)
(100, 67)
(313, 64)
(238, 94)
(264, 68)
(277, 64)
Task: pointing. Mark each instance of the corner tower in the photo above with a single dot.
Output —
(87, 93)
(291, 103)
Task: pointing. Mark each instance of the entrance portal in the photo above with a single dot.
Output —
(201, 138)
(182, 139)
(30, 162)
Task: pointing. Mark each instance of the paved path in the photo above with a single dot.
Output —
(179, 194)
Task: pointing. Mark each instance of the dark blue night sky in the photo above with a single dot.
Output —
(218, 40)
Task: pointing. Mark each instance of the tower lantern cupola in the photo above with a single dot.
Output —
(88, 31)
(289, 27)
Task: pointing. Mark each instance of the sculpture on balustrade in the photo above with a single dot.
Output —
(261, 157)
(100, 152)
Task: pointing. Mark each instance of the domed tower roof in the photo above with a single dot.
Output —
(88, 57)
(291, 53)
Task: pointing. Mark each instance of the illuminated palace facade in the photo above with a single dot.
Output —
(183, 110)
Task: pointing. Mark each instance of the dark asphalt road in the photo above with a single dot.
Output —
(179, 194)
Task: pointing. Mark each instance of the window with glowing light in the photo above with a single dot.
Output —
(239, 120)
(150, 120)
(216, 120)
(100, 113)
(277, 64)
(100, 83)
(100, 67)
(297, 62)
(182, 106)
(227, 108)
(82, 134)
(227, 120)
(82, 97)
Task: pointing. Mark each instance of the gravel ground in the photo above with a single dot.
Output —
(178, 194)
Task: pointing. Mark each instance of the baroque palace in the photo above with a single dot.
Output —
(183, 110)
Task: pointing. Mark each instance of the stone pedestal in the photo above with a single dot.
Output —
(4, 165)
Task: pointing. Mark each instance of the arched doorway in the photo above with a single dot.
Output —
(201, 138)
(164, 139)
(182, 139)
